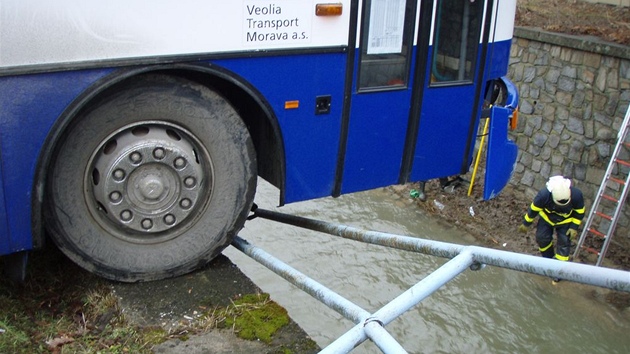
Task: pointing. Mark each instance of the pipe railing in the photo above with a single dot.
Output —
(461, 257)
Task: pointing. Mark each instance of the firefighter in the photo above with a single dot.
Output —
(561, 208)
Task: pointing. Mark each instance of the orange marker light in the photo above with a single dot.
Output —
(514, 119)
(291, 104)
(328, 9)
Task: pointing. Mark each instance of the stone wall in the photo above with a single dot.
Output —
(574, 93)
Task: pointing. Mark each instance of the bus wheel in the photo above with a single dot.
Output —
(152, 182)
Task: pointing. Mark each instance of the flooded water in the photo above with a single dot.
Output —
(488, 311)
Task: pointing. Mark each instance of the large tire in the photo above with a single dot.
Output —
(151, 182)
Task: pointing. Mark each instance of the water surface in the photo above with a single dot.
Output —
(493, 310)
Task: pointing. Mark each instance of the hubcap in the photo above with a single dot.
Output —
(149, 179)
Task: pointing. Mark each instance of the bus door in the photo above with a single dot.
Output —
(381, 94)
(415, 102)
(451, 92)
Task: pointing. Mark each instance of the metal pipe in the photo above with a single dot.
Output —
(425, 287)
(581, 273)
(576, 272)
(461, 257)
(405, 301)
(436, 248)
(383, 340)
(328, 297)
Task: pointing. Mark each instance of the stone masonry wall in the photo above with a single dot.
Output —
(574, 93)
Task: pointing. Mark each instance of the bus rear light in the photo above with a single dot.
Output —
(328, 9)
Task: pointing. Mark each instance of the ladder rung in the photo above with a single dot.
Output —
(625, 163)
(622, 182)
(607, 217)
(597, 233)
(592, 250)
(612, 199)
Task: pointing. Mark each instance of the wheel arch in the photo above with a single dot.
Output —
(251, 105)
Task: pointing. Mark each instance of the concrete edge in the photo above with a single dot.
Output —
(586, 43)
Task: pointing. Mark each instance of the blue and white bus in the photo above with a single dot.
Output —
(133, 132)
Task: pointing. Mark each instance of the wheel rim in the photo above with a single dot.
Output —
(148, 181)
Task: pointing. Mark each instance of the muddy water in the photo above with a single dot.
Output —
(488, 311)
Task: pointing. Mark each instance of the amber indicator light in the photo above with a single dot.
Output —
(328, 9)
(291, 104)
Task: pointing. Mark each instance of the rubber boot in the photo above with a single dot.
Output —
(548, 253)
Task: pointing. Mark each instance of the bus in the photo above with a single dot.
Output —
(133, 132)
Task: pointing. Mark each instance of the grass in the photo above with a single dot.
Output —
(61, 308)
(576, 17)
(256, 317)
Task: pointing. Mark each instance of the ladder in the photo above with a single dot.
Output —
(610, 199)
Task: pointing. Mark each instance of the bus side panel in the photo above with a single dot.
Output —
(499, 60)
(29, 105)
(311, 140)
(5, 242)
(501, 36)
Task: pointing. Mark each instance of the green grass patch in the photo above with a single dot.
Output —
(255, 316)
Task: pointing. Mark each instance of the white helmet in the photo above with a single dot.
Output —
(560, 189)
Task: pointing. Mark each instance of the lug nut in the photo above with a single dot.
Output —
(126, 215)
(115, 197)
(159, 153)
(169, 219)
(135, 157)
(118, 174)
(147, 224)
(190, 182)
(185, 203)
(179, 163)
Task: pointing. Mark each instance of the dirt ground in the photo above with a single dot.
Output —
(494, 223)
(608, 22)
(175, 304)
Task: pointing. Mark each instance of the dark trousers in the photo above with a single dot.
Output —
(544, 238)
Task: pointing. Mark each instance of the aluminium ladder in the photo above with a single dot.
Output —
(610, 199)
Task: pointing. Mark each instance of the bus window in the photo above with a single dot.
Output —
(455, 40)
(385, 44)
